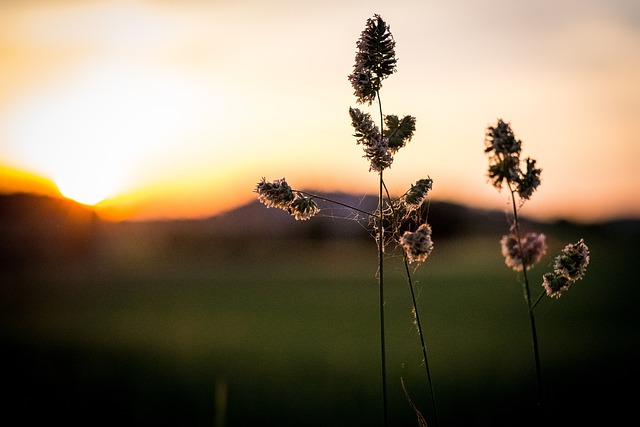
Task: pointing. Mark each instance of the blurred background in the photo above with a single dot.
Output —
(263, 320)
(141, 282)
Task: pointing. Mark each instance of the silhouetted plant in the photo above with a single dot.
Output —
(522, 252)
(400, 220)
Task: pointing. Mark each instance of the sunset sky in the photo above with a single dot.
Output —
(176, 108)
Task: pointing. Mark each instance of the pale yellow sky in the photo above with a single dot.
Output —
(177, 108)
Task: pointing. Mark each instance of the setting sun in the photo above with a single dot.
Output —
(86, 183)
(97, 130)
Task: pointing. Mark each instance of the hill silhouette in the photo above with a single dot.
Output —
(34, 228)
(447, 219)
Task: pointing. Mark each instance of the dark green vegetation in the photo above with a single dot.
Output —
(138, 323)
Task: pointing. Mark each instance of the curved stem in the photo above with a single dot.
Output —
(424, 347)
(315, 196)
(532, 320)
(417, 318)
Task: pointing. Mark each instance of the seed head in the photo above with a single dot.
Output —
(555, 284)
(379, 155)
(568, 267)
(399, 131)
(418, 193)
(504, 161)
(375, 59)
(278, 194)
(504, 151)
(366, 132)
(534, 246)
(500, 140)
(418, 245)
(376, 147)
(528, 181)
(573, 261)
(303, 207)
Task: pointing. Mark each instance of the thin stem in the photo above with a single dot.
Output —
(315, 196)
(381, 288)
(537, 300)
(381, 282)
(417, 319)
(424, 347)
(532, 320)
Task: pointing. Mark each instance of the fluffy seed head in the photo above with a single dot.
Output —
(528, 181)
(555, 284)
(417, 245)
(534, 246)
(573, 261)
(376, 147)
(302, 208)
(500, 140)
(399, 131)
(503, 149)
(375, 60)
(418, 192)
(276, 194)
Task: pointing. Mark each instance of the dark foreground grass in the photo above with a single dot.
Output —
(144, 331)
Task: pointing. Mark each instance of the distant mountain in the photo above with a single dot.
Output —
(446, 219)
(334, 220)
(34, 228)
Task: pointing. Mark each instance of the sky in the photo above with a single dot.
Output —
(177, 108)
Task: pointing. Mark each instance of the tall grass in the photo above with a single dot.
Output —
(523, 251)
(404, 220)
(400, 220)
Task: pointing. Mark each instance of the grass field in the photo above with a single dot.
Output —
(154, 331)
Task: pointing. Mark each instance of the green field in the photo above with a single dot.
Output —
(148, 328)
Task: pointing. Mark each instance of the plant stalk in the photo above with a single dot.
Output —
(381, 281)
(417, 319)
(424, 347)
(315, 196)
(532, 320)
(381, 289)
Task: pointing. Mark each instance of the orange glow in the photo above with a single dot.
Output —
(172, 109)
(19, 181)
(172, 200)
(194, 199)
